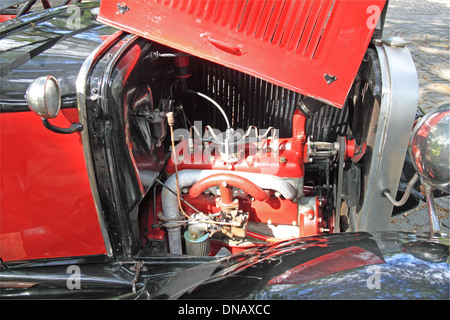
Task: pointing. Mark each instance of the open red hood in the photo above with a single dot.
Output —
(313, 47)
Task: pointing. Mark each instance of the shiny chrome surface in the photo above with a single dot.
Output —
(429, 148)
(435, 229)
(44, 97)
(400, 96)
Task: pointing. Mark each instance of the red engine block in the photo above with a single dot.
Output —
(280, 157)
(284, 158)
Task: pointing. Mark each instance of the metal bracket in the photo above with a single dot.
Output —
(432, 212)
(122, 8)
(74, 127)
(337, 219)
(137, 268)
(394, 42)
(330, 78)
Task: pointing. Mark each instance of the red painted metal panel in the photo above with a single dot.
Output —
(289, 43)
(46, 204)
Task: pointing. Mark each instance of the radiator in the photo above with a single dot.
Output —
(249, 101)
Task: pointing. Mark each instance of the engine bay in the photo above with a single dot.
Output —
(247, 163)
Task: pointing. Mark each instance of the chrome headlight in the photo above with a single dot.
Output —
(44, 97)
(429, 148)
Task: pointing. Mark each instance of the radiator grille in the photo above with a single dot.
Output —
(328, 123)
(249, 101)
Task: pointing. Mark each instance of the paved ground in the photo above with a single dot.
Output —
(425, 25)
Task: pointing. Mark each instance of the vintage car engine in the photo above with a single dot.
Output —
(225, 185)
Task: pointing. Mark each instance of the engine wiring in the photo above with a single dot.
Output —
(171, 122)
(214, 103)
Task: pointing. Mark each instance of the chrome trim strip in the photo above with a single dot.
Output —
(81, 100)
(399, 101)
